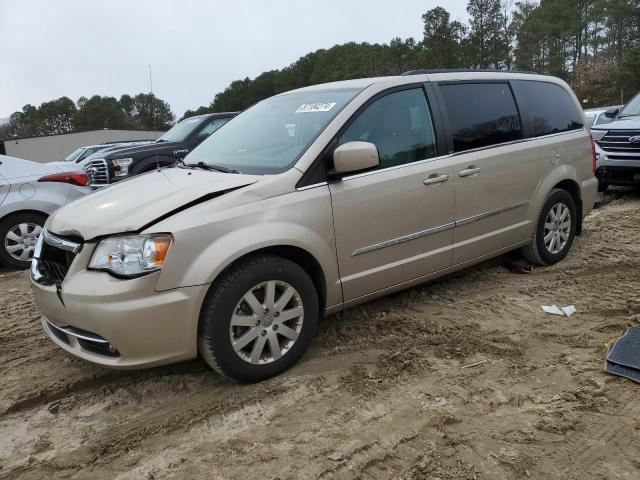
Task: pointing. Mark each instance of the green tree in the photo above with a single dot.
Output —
(442, 43)
(486, 43)
(100, 112)
(56, 116)
(149, 112)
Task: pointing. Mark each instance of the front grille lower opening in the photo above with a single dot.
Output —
(53, 264)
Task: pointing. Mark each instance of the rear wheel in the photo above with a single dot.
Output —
(555, 230)
(258, 318)
(18, 237)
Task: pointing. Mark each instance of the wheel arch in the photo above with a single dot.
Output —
(148, 164)
(297, 255)
(565, 178)
(572, 187)
(19, 212)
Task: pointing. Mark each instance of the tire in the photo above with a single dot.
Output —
(19, 230)
(252, 279)
(541, 253)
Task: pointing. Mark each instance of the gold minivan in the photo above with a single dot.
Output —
(309, 202)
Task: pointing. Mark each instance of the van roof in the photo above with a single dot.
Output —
(431, 75)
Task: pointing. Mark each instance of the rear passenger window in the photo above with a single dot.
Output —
(547, 107)
(399, 124)
(481, 114)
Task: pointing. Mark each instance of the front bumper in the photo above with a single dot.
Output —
(615, 168)
(120, 323)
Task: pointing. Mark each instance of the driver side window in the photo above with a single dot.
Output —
(399, 125)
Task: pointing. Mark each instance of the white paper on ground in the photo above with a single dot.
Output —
(555, 310)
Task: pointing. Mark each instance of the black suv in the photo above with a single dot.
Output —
(118, 164)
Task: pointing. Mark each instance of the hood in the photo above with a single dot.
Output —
(629, 123)
(140, 149)
(132, 204)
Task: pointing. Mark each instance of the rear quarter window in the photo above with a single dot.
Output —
(546, 108)
(481, 114)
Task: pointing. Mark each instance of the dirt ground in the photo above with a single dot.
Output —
(382, 394)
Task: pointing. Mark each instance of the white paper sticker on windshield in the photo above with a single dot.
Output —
(315, 107)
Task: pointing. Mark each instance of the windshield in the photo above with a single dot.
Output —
(72, 156)
(270, 136)
(632, 108)
(180, 131)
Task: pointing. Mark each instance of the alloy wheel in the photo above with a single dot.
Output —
(557, 228)
(266, 322)
(20, 241)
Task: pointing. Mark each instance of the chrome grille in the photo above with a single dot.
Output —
(98, 172)
(52, 258)
(617, 142)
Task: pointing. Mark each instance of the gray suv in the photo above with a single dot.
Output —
(310, 202)
(618, 146)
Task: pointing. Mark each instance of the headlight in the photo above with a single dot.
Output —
(131, 255)
(598, 134)
(122, 166)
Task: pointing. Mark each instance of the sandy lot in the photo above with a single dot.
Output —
(381, 394)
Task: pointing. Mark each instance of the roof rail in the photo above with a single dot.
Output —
(463, 70)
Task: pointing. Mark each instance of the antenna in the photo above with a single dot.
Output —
(153, 113)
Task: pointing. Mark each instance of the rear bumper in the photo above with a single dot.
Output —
(120, 323)
(588, 194)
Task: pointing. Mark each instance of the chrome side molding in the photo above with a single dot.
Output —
(402, 239)
(434, 230)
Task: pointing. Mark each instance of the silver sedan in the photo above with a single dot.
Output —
(29, 193)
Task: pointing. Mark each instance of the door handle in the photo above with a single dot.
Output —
(435, 178)
(471, 170)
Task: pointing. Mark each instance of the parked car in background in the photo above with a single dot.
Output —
(596, 116)
(29, 193)
(81, 153)
(309, 202)
(618, 146)
(118, 164)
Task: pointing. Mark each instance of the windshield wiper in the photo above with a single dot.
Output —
(210, 166)
(630, 115)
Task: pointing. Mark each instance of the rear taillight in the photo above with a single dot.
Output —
(74, 178)
(593, 155)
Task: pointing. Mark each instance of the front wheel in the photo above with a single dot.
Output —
(258, 318)
(18, 237)
(555, 230)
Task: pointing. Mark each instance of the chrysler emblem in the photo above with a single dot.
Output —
(634, 139)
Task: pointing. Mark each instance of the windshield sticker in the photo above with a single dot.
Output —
(315, 107)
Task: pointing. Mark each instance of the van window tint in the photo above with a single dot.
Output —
(547, 107)
(481, 114)
(400, 126)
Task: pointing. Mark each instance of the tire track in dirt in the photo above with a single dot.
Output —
(382, 390)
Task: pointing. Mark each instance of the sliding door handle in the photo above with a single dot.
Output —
(470, 171)
(435, 179)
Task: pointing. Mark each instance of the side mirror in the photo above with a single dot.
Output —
(355, 156)
(612, 112)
